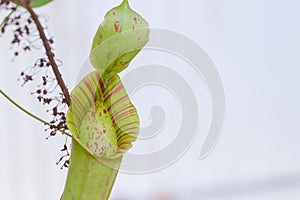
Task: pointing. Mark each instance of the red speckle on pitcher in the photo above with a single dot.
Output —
(117, 26)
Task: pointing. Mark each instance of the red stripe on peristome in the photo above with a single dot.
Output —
(117, 102)
(123, 148)
(131, 123)
(129, 133)
(125, 114)
(127, 137)
(94, 81)
(111, 85)
(120, 110)
(114, 90)
(85, 94)
(80, 106)
(125, 130)
(125, 145)
(90, 88)
(99, 79)
(120, 133)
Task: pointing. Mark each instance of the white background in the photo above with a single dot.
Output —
(255, 46)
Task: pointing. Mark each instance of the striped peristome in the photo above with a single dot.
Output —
(104, 124)
(103, 120)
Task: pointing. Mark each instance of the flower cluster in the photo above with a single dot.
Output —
(25, 38)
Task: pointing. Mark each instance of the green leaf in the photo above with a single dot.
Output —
(36, 3)
(39, 3)
(119, 39)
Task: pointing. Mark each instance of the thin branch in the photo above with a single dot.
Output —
(29, 113)
(8, 16)
(49, 52)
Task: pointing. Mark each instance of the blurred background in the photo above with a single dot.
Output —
(255, 46)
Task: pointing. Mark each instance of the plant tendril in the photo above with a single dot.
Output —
(29, 113)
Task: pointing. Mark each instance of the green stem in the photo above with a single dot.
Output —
(29, 113)
(89, 178)
(7, 17)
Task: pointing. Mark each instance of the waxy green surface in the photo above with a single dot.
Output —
(119, 39)
(103, 121)
(39, 3)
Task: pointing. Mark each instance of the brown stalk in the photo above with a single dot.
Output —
(47, 47)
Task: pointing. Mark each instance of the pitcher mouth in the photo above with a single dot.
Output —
(103, 119)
